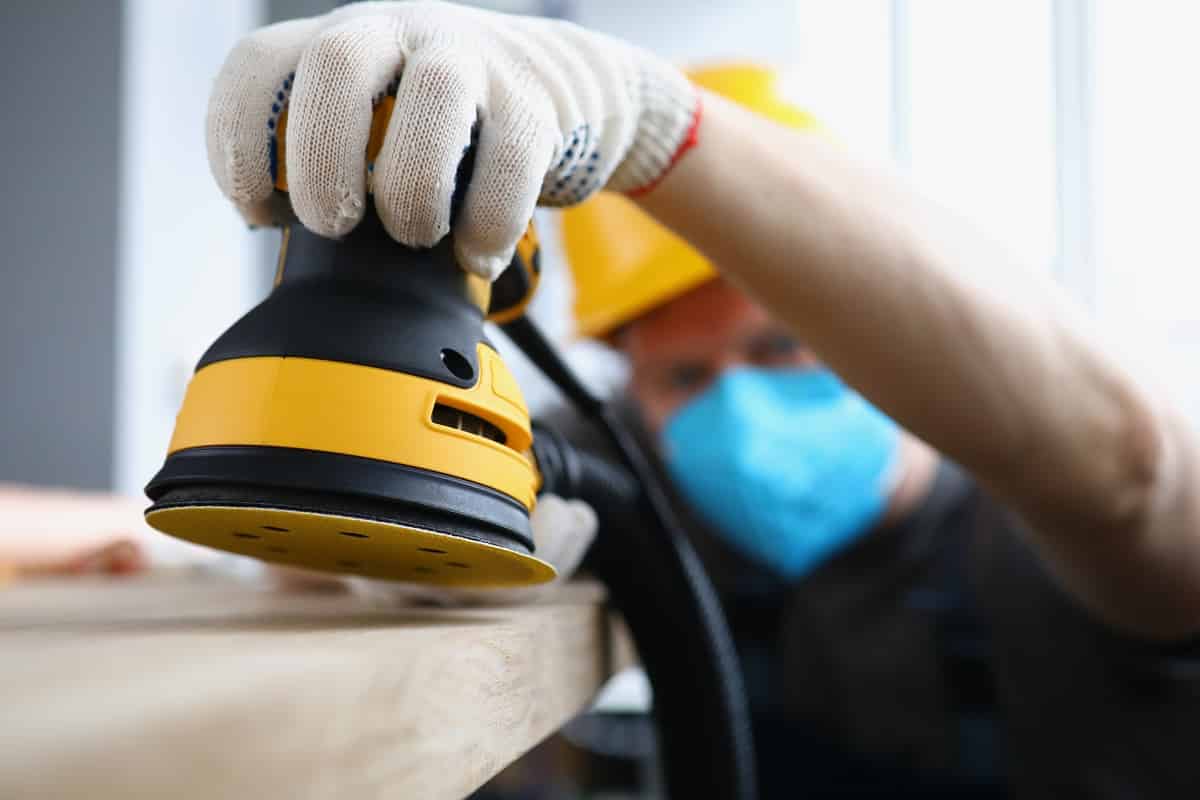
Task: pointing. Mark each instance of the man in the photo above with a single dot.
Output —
(1084, 547)
(829, 531)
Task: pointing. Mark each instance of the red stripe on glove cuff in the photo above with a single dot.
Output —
(689, 141)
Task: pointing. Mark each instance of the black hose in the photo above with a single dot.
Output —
(656, 580)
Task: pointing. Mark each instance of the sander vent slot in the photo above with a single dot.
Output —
(465, 421)
(242, 535)
(433, 550)
(354, 535)
(275, 528)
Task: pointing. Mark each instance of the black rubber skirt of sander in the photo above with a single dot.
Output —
(345, 514)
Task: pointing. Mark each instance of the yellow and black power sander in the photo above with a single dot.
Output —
(358, 420)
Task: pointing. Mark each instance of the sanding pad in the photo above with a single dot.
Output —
(346, 544)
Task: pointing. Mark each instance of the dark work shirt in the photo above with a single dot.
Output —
(937, 657)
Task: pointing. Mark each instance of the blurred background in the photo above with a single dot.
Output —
(1066, 128)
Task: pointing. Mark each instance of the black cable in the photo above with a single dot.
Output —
(658, 581)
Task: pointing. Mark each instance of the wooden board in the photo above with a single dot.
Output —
(182, 688)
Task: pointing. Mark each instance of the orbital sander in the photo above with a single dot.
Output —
(360, 421)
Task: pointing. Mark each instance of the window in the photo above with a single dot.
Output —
(1147, 170)
(980, 138)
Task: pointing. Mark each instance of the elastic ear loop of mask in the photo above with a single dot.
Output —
(656, 578)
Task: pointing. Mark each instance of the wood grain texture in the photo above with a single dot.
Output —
(208, 688)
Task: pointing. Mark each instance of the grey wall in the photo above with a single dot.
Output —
(279, 10)
(58, 228)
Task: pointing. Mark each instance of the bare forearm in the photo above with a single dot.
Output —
(944, 332)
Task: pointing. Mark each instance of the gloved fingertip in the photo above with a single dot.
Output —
(256, 215)
(585, 516)
(329, 208)
(548, 504)
(346, 215)
(485, 264)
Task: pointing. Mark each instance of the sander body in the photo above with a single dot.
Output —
(359, 421)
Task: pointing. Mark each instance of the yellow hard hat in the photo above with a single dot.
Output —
(623, 262)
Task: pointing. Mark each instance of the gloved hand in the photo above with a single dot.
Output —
(561, 113)
(562, 532)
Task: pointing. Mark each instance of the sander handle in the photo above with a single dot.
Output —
(511, 292)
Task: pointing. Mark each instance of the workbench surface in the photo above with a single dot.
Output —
(181, 687)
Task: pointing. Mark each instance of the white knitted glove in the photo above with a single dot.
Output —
(562, 112)
(563, 531)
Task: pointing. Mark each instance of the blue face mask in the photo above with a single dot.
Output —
(790, 465)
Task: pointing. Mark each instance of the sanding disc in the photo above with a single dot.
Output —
(336, 543)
